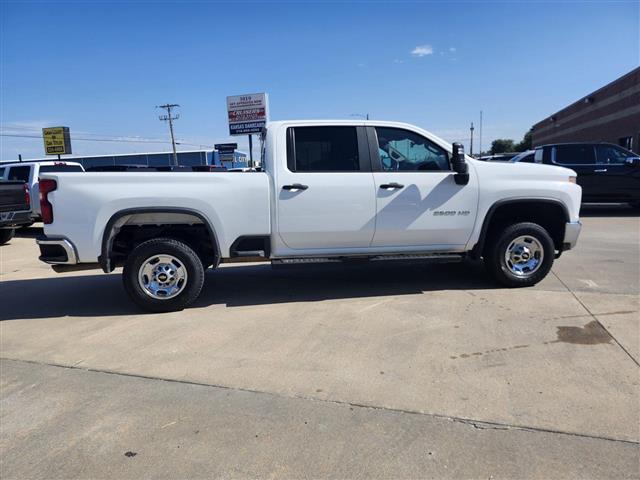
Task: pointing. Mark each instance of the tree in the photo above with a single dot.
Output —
(525, 144)
(501, 145)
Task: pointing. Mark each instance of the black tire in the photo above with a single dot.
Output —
(496, 263)
(6, 234)
(167, 246)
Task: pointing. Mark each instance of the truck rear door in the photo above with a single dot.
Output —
(325, 192)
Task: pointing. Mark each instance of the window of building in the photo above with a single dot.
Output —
(626, 142)
(402, 150)
(573, 154)
(323, 149)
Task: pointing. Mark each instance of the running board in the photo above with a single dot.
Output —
(413, 257)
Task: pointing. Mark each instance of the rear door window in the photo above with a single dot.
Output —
(20, 174)
(323, 149)
(573, 155)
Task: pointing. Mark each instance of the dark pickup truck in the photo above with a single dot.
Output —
(15, 208)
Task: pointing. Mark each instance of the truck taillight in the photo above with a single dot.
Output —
(46, 186)
(27, 195)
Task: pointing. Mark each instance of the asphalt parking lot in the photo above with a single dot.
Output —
(374, 371)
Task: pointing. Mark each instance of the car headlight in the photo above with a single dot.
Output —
(573, 179)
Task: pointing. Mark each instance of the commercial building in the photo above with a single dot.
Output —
(156, 159)
(610, 114)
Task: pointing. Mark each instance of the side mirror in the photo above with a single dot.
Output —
(459, 165)
(632, 161)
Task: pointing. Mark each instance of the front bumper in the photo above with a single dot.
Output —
(57, 251)
(571, 234)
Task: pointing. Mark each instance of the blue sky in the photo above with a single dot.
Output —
(101, 67)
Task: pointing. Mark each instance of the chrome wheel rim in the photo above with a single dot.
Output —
(524, 255)
(162, 277)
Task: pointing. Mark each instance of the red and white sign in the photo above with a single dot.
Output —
(247, 113)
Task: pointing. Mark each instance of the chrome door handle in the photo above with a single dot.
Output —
(601, 170)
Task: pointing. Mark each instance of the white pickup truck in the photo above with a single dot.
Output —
(330, 191)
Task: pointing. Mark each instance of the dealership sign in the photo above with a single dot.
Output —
(247, 113)
(57, 141)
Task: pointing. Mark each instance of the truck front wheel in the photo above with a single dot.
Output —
(163, 275)
(521, 255)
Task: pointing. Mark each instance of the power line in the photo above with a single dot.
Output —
(121, 140)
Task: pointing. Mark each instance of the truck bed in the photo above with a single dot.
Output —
(83, 203)
(12, 197)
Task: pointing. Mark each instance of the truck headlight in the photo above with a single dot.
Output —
(573, 179)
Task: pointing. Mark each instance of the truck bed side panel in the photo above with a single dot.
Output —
(235, 204)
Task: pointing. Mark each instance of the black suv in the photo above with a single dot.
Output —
(606, 172)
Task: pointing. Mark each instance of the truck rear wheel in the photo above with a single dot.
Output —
(163, 275)
(521, 255)
(6, 234)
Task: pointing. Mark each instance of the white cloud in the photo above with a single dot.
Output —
(422, 51)
(397, 60)
(452, 49)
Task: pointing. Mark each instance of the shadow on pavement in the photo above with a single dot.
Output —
(233, 286)
(29, 232)
(608, 210)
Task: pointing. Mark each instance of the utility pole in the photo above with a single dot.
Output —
(471, 142)
(480, 137)
(170, 118)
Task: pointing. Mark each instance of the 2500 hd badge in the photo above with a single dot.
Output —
(450, 213)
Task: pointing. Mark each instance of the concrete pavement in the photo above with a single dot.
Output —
(557, 362)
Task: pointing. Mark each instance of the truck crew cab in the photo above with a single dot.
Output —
(329, 191)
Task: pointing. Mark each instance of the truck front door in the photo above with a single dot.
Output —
(418, 203)
(325, 194)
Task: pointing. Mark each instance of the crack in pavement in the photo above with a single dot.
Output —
(592, 315)
(478, 424)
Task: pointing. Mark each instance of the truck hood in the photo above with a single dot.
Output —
(531, 170)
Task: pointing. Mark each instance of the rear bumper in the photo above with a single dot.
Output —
(15, 219)
(571, 234)
(57, 251)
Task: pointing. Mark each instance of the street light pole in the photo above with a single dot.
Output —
(471, 142)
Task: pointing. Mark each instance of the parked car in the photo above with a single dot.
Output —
(15, 208)
(526, 157)
(606, 172)
(29, 173)
(499, 157)
(330, 191)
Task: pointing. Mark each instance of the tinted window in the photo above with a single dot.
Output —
(574, 154)
(402, 150)
(537, 157)
(60, 168)
(19, 173)
(324, 149)
(1, 172)
(527, 158)
(609, 154)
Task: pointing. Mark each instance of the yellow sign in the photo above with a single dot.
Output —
(57, 140)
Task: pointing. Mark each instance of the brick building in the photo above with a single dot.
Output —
(610, 114)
